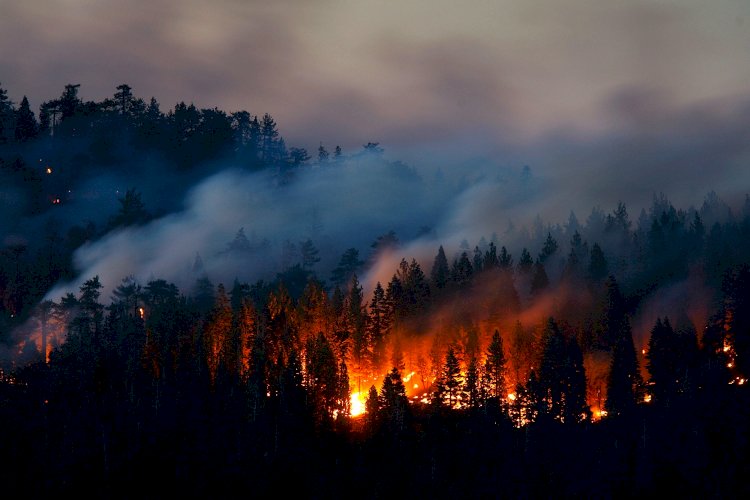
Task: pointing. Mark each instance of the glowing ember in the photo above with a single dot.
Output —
(647, 398)
(357, 400)
(511, 396)
(409, 376)
(141, 312)
(49, 170)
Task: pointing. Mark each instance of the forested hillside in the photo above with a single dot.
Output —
(602, 356)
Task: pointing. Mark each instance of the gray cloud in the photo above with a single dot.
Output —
(403, 72)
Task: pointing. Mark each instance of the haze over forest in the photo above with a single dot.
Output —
(504, 249)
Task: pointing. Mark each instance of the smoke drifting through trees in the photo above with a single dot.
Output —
(434, 292)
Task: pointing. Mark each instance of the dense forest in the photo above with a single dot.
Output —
(605, 357)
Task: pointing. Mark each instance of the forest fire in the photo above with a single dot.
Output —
(357, 401)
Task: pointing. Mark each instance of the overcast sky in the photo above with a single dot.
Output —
(400, 72)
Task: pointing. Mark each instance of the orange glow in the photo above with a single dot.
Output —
(141, 312)
(49, 170)
(511, 396)
(647, 398)
(357, 400)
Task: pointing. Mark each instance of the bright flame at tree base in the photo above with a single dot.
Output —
(357, 401)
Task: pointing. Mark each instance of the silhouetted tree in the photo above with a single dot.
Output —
(624, 384)
(26, 125)
(662, 361)
(598, 267)
(450, 387)
(494, 367)
(440, 271)
(394, 406)
(309, 254)
(349, 264)
(132, 210)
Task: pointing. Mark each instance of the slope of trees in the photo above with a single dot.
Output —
(504, 368)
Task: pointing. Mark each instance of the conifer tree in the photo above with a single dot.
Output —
(598, 267)
(26, 125)
(393, 403)
(440, 271)
(450, 390)
(378, 326)
(494, 367)
(624, 381)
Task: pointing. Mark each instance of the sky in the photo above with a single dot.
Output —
(407, 73)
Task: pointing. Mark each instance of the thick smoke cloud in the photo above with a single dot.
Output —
(398, 73)
(338, 207)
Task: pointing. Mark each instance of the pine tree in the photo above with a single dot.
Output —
(124, 98)
(132, 210)
(349, 264)
(494, 367)
(614, 315)
(548, 249)
(323, 379)
(576, 409)
(6, 117)
(525, 263)
(393, 403)
(372, 410)
(505, 261)
(598, 267)
(343, 392)
(552, 369)
(624, 380)
(462, 271)
(562, 379)
(378, 326)
(26, 125)
(269, 140)
(69, 103)
(416, 290)
(478, 260)
(663, 362)
(451, 386)
(356, 320)
(309, 254)
(539, 280)
(440, 271)
(490, 260)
